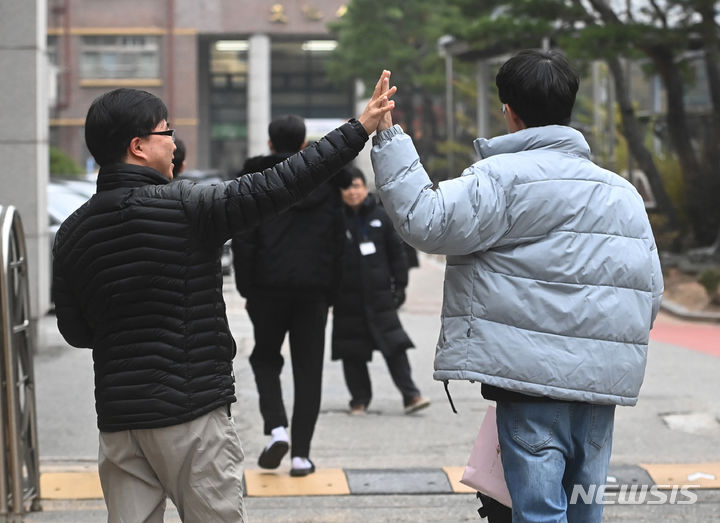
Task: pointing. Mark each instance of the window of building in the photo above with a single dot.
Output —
(228, 104)
(299, 84)
(228, 95)
(120, 56)
(697, 93)
(52, 50)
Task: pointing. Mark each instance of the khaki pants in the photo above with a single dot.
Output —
(197, 464)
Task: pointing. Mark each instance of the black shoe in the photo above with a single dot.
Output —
(271, 456)
(417, 403)
(298, 473)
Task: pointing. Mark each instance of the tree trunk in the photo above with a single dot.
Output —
(402, 114)
(664, 60)
(662, 55)
(701, 183)
(636, 146)
(711, 45)
(711, 160)
(431, 134)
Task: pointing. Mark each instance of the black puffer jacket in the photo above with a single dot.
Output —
(298, 251)
(138, 279)
(364, 316)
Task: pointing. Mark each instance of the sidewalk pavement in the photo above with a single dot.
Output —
(670, 438)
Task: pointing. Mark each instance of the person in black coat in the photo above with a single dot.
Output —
(365, 318)
(138, 279)
(178, 157)
(288, 270)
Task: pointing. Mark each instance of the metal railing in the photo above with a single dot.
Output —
(19, 460)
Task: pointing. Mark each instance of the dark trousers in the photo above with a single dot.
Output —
(272, 316)
(358, 383)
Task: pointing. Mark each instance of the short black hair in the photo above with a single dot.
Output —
(118, 116)
(540, 86)
(347, 174)
(178, 156)
(287, 133)
(356, 174)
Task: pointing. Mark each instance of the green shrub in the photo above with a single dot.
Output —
(62, 164)
(710, 279)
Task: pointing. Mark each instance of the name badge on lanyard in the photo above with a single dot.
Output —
(367, 248)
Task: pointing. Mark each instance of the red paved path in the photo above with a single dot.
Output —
(702, 337)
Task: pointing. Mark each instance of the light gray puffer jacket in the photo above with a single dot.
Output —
(553, 279)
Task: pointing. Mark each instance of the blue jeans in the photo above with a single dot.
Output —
(546, 449)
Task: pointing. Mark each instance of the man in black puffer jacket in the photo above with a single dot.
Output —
(288, 270)
(137, 278)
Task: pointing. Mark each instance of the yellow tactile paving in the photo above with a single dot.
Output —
(70, 485)
(85, 483)
(454, 475)
(704, 475)
(324, 482)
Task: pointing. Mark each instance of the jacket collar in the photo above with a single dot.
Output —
(123, 175)
(556, 137)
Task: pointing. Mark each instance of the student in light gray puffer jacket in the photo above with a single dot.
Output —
(552, 283)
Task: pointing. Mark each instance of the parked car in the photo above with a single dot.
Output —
(86, 187)
(62, 201)
(202, 175)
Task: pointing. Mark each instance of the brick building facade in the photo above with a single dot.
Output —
(224, 68)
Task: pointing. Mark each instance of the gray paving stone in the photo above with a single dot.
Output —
(398, 481)
(627, 475)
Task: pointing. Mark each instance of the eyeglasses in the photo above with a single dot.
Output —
(503, 108)
(169, 132)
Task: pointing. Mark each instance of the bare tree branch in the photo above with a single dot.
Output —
(628, 10)
(589, 16)
(659, 14)
(634, 137)
(605, 11)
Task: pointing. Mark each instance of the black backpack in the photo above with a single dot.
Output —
(493, 510)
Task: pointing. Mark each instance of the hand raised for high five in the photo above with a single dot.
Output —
(386, 120)
(378, 108)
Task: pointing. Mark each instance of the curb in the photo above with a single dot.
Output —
(686, 314)
(82, 483)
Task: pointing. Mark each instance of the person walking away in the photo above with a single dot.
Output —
(365, 317)
(137, 278)
(552, 284)
(288, 270)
